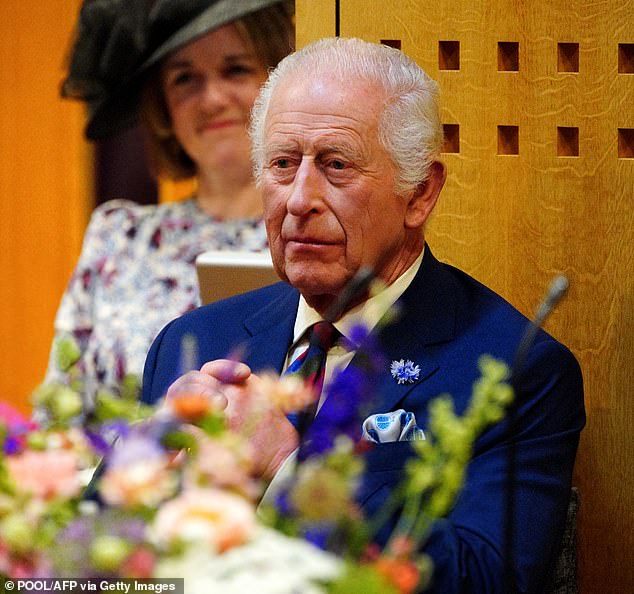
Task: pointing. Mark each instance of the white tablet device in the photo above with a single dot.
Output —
(223, 274)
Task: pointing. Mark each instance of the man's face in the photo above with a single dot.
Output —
(328, 186)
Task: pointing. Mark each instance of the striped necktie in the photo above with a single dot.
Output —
(311, 364)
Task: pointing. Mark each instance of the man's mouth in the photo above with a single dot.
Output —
(316, 241)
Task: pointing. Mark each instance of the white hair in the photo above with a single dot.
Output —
(409, 126)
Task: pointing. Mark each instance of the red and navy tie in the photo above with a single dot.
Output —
(311, 364)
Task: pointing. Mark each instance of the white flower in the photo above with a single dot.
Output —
(270, 563)
(404, 372)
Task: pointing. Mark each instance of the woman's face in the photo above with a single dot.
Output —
(209, 87)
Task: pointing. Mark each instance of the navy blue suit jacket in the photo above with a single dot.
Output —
(447, 321)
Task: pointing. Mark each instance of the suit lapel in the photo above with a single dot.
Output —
(271, 333)
(427, 317)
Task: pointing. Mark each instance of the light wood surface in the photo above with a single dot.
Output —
(44, 187)
(515, 221)
(314, 19)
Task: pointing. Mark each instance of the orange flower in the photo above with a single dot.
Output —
(402, 574)
(190, 407)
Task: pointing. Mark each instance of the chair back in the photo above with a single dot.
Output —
(564, 576)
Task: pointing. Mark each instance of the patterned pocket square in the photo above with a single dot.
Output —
(392, 426)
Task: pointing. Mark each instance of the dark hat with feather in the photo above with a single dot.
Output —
(118, 41)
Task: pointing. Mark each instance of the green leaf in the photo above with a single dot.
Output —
(361, 578)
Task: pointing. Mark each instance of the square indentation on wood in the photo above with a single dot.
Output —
(626, 143)
(567, 141)
(508, 140)
(508, 56)
(567, 57)
(449, 55)
(395, 43)
(451, 143)
(626, 58)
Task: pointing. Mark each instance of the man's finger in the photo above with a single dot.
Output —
(227, 371)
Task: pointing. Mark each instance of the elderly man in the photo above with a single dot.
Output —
(346, 139)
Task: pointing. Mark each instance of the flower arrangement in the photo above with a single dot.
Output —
(175, 493)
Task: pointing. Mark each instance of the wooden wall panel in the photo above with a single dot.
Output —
(174, 191)
(44, 198)
(516, 220)
(315, 19)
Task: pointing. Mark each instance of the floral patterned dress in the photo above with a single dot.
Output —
(136, 272)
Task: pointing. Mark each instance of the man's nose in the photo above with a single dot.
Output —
(308, 189)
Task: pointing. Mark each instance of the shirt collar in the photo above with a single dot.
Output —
(368, 313)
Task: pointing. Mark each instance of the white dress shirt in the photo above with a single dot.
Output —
(369, 314)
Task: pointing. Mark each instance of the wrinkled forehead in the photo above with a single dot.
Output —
(325, 97)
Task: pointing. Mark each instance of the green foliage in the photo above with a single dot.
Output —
(108, 552)
(361, 578)
(109, 407)
(181, 440)
(436, 475)
(212, 424)
(67, 353)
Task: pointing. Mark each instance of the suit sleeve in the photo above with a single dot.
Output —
(157, 378)
(468, 547)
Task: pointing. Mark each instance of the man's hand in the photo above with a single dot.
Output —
(231, 386)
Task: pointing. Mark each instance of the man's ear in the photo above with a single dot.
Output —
(424, 198)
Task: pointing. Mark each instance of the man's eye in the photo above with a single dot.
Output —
(337, 164)
(282, 163)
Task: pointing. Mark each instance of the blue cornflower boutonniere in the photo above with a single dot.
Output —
(405, 372)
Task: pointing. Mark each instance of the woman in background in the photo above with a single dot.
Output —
(190, 71)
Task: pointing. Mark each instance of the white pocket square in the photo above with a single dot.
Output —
(398, 425)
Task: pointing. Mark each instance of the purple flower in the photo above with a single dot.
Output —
(370, 354)
(133, 448)
(318, 534)
(283, 503)
(13, 445)
(97, 442)
(79, 530)
(348, 398)
(358, 334)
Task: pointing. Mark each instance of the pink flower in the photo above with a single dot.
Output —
(23, 566)
(140, 564)
(15, 420)
(47, 474)
(224, 462)
(146, 483)
(210, 516)
(18, 427)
